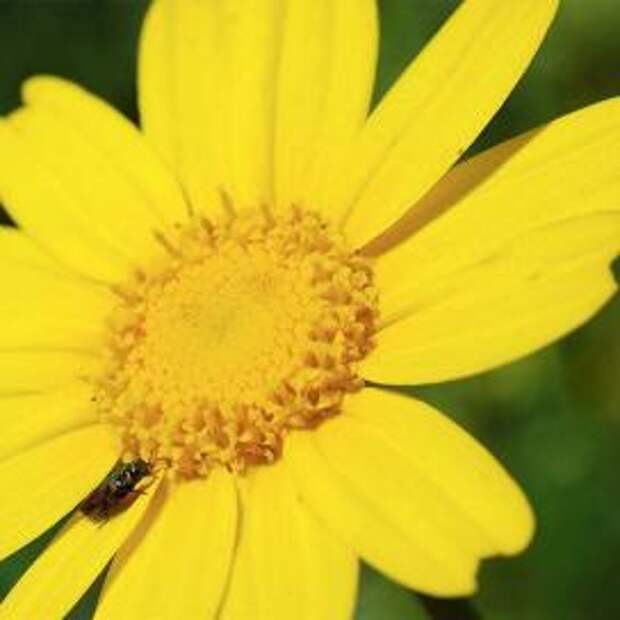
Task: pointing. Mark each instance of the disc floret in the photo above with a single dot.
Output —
(243, 332)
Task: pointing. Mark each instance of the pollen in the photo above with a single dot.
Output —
(245, 331)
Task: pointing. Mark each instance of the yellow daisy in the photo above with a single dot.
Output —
(224, 294)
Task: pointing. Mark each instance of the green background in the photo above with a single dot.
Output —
(553, 418)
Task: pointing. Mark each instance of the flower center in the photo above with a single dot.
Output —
(247, 330)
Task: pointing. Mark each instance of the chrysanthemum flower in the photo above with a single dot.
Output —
(227, 294)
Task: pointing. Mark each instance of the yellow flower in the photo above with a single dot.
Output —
(225, 295)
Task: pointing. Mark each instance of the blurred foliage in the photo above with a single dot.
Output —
(553, 419)
(382, 599)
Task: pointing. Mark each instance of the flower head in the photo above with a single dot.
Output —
(223, 297)
(242, 333)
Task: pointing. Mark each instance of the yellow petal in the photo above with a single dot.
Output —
(522, 258)
(412, 493)
(108, 201)
(325, 82)
(207, 88)
(75, 309)
(176, 563)
(36, 371)
(40, 486)
(181, 74)
(117, 138)
(287, 565)
(74, 559)
(16, 246)
(85, 206)
(48, 211)
(29, 420)
(435, 111)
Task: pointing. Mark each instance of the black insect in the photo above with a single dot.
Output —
(116, 491)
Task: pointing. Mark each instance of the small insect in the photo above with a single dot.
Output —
(116, 490)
